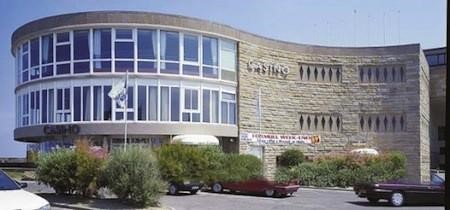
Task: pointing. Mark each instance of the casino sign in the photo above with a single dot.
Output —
(61, 130)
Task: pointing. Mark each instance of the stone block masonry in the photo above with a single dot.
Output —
(319, 89)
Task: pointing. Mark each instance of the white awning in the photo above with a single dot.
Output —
(196, 139)
(365, 151)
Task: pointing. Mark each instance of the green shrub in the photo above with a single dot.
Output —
(214, 168)
(57, 169)
(88, 169)
(69, 171)
(133, 175)
(180, 163)
(290, 158)
(346, 170)
(241, 167)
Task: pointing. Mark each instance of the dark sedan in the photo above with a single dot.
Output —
(192, 186)
(400, 193)
(259, 185)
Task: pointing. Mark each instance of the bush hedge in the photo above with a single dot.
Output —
(133, 175)
(240, 167)
(290, 158)
(181, 163)
(69, 171)
(346, 170)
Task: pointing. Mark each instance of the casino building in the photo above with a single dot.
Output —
(190, 76)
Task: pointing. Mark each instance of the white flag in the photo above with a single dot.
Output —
(119, 92)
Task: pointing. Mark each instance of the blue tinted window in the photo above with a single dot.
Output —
(47, 49)
(81, 67)
(62, 53)
(190, 70)
(66, 98)
(169, 68)
(44, 106)
(59, 99)
(81, 45)
(124, 49)
(232, 114)
(97, 102)
(102, 66)
(142, 98)
(47, 71)
(144, 66)
(24, 76)
(123, 66)
(224, 112)
(102, 43)
(62, 37)
(169, 46)
(63, 69)
(210, 51)
(77, 103)
(190, 48)
(107, 108)
(25, 61)
(34, 52)
(210, 72)
(124, 34)
(147, 44)
(206, 105)
(175, 104)
(441, 59)
(432, 60)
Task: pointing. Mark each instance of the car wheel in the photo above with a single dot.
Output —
(372, 200)
(397, 199)
(269, 192)
(193, 192)
(173, 189)
(217, 188)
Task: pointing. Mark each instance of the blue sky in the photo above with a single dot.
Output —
(325, 22)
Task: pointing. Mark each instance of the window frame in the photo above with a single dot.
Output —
(115, 40)
(191, 111)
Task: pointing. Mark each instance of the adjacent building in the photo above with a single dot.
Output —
(189, 76)
(437, 60)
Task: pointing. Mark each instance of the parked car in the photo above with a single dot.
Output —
(400, 193)
(12, 196)
(258, 185)
(192, 186)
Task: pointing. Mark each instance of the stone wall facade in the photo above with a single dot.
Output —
(388, 111)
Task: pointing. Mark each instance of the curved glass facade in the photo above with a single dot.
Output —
(65, 76)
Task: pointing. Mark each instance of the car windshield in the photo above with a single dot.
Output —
(7, 183)
(436, 179)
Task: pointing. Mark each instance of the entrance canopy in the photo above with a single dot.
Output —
(196, 139)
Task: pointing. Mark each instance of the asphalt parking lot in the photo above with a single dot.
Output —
(303, 199)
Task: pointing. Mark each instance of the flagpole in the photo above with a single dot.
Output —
(125, 112)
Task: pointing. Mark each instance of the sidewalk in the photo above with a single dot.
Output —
(80, 203)
(328, 188)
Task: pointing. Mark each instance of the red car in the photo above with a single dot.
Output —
(259, 185)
